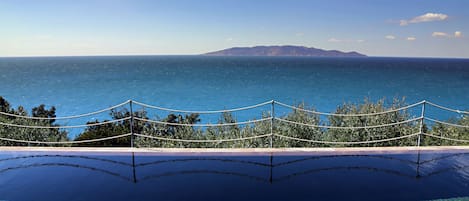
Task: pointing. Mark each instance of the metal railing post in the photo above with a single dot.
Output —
(131, 125)
(422, 119)
(272, 116)
(133, 167)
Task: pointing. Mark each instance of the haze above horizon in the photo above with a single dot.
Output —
(394, 28)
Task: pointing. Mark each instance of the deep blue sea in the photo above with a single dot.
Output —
(78, 85)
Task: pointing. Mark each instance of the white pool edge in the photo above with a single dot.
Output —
(232, 150)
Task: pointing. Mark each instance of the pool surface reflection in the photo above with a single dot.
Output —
(412, 175)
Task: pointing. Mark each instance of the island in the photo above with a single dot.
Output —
(286, 50)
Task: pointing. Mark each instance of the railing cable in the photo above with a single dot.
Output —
(66, 117)
(202, 112)
(445, 138)
(448, 109)
(201, 141)
(66, 142)
(62, 127)
(446, 123)
(350, 115)
(203, 125)
(347, 143)
(348, 127)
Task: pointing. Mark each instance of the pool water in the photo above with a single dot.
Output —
(411, 175)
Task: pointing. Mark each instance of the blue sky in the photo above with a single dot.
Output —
(409, 28)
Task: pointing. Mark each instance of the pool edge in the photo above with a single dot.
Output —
(239, 151)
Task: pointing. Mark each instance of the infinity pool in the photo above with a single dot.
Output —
(410, 175)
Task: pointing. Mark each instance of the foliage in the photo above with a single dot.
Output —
(447, 131)
(110, 130)
(300, 131)
(370, 134)
(29, 134)
(172, 128)
(170, 131)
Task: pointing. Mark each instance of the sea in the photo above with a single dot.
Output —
(76, 85)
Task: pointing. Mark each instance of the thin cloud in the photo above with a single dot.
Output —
(440, 34)
(456, 34)
(411, 38)
(334, 40)
(428, 17)
(390, 37)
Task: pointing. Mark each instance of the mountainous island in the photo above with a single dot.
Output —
(286, 50)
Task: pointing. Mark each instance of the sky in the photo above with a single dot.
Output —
(394, 28)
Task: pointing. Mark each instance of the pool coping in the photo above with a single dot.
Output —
(239, 151)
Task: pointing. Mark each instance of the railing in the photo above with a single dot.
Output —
(272, 118)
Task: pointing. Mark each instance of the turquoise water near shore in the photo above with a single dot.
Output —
(78, 85)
